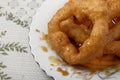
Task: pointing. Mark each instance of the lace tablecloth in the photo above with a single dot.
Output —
(16, 60)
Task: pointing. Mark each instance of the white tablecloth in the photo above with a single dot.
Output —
(16, 60)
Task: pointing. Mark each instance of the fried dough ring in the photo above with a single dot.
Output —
(103, 62)
(72, 30)
(92, 46)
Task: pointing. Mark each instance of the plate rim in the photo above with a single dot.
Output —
(30, 44)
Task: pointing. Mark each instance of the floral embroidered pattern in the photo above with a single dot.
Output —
(19, 12)
(4, 48)
(3, 76)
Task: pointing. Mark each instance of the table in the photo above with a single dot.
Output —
(16, 60)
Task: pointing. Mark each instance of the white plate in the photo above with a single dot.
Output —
(38, 27)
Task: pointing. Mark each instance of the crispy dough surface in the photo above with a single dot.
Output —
(85, 23)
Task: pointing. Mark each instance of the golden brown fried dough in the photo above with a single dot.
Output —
(79, 34)
(91, 46)
(87, 23)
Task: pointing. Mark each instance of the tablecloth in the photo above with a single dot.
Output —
(16, 59)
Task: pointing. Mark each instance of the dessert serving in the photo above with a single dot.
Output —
(87, 33)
